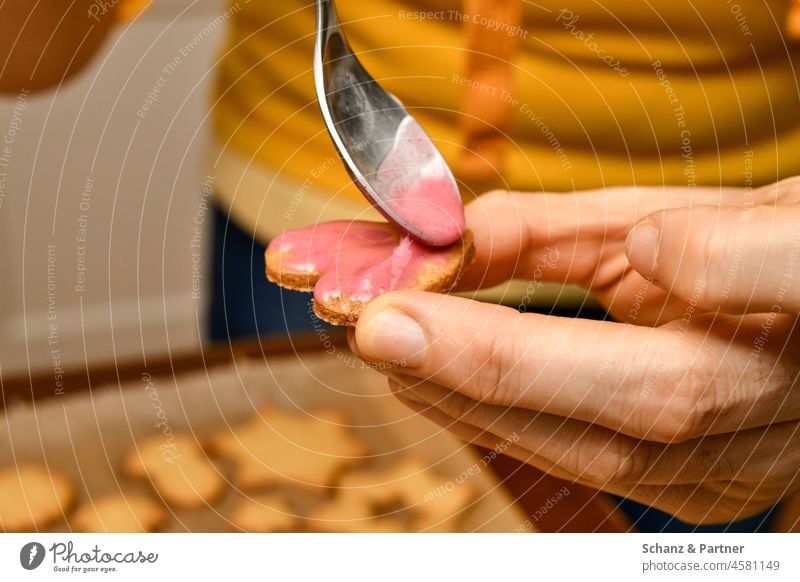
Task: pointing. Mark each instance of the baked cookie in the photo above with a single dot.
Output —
(407, 496)
(263, 514)
(352, 513)
(178, 469)
(118, 513)
(277, 446)
(32, 497)
(348, 263)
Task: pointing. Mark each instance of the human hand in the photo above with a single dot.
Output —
(698, 417)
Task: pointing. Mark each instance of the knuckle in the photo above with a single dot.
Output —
(718, 250)
(786, 191)
(699, 241)
(684, 407)
(704, 408)
(703, 253)
(497, 374)
(602, 469)
(614, 464)
(458, 407)
(789, 190)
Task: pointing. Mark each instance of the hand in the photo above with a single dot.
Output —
(698, 417)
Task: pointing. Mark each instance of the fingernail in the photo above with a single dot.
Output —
(642, 248)
(392, 337)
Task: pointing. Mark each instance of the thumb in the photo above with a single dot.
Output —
(735, 259)
(497, 356)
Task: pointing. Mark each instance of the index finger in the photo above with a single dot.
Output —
(562, 237)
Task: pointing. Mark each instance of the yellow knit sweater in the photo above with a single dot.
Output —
(605, 93)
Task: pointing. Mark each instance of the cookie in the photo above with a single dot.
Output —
(32, 497)
(348, 263)
(285, 447)
(263, 514)
(178, 469)
(118, 513)
(407, 495)
(354, 514)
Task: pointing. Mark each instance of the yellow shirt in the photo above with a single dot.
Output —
(605, 93)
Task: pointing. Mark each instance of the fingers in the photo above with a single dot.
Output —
(594, 455)
(737, 475)
(696, 503)
(701, 375)
(735, 259)
(563, 237)
(602, 458)
(693, 503)
(480, 437)
(630, 379)
(511, 236)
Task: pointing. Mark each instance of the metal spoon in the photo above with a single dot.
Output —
(367, 124)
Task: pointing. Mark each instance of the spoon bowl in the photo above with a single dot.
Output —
(386, 152)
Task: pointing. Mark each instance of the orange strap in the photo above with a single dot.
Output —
(793, 21)
(493, 33)
(130, 9)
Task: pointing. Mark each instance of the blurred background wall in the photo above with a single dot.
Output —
(103, 194)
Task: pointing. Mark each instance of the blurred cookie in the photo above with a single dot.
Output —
(178, 469)
(407, 495)
(284, 447)
(32, 497)
(263, 514)
(118, 513)
(352, 513)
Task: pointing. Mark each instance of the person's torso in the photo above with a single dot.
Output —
(618, 92)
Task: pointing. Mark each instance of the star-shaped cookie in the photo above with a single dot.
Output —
(277, 446)
(263, 514)
(407, 496)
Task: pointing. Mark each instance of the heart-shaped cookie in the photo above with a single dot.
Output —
(348, 263)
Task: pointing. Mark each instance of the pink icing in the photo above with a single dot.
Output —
(422, 191)
(358, 260)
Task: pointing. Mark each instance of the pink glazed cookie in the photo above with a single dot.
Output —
(348, 263)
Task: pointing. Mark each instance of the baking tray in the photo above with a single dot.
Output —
(85, 434)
